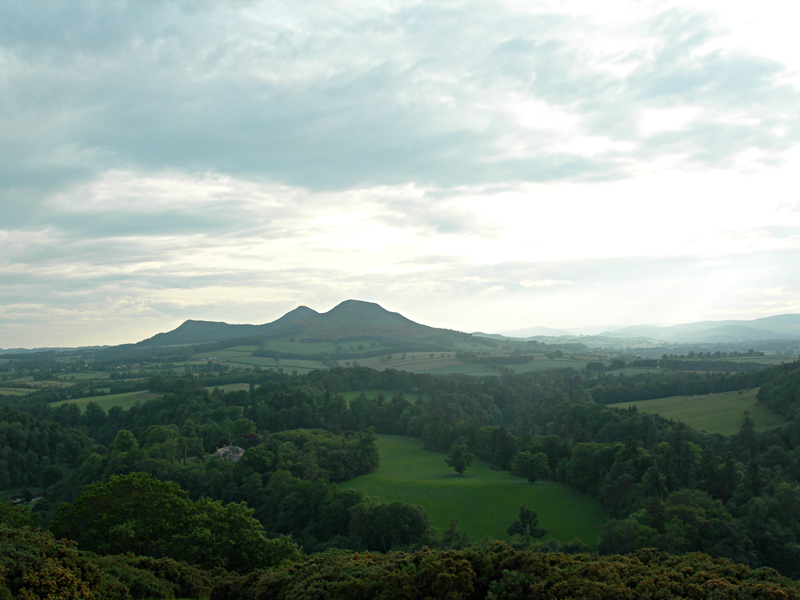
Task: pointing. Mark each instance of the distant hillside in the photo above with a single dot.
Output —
(202, 332)
(776, 327)
(350, 320)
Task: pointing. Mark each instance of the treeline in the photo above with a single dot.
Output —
(709, 365)
(608, 389)
(34, 452)
(782, 393)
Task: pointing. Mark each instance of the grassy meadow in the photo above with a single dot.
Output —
(13, 391)
(125, 401)
(714, 413)
(485, 501)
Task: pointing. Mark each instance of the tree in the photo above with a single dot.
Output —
(18, 516)
(653, 483)
(530, 466)
(459, 458)
(124, 442)
(527, 525)
(747, 432)
(131, 513)
(452, 538)
(139, 514)
(382, 526)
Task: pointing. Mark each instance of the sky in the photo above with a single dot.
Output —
(472, 165)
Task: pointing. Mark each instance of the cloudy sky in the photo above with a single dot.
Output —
(473, 165)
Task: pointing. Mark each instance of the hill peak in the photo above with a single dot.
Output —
(358, 306)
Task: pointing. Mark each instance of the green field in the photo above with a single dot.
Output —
(485, 501)
(15, 391)
(762, 360)
(125, 401)
(714, 413)
(470, 369)
(545, 363)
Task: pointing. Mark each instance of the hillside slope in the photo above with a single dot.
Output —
(350, 320)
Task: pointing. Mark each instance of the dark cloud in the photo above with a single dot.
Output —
(341, 99)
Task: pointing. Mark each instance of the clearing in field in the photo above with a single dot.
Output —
(485, 501)
(124, 401)
(713, 413)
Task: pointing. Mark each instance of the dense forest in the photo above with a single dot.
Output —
(666, 486)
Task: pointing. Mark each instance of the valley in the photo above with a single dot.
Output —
(335, 428)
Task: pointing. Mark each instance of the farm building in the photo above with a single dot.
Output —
(229, 453)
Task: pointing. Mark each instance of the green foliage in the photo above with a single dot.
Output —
(452, 538)
(714, 413)
(132, 513)
(484, 500)
(526, 528)
(139, 514)
(782, 394)
(385, 526)
(29, 445)
(530, 466)
(18, 516)
(498, 571)
(33, 564)
(459, 458)
(135, 577)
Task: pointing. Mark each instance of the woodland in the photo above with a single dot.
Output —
(133, 506)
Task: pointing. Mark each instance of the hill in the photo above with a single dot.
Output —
(775, 327)
(349, 321)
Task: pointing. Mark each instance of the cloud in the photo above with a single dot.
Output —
(231, 158)
(333, 99)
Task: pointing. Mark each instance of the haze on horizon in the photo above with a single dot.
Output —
(470, 166)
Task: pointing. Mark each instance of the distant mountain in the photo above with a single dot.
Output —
(350, 320)
(775, 327)
(550, 332)
(531, 331)
(202, 332)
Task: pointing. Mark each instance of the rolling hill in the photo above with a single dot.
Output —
(348, 321)
(775, 327)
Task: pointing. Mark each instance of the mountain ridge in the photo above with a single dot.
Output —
(347, 320)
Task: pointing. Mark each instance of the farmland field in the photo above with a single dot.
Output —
(714, 413)
(485, 501)
(287, 364)
(15, 391)
(470, 369)
(125, 401)
(545, 363)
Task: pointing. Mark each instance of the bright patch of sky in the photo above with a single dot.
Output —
(474, 166)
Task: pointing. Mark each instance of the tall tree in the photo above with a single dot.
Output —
(460, 458)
